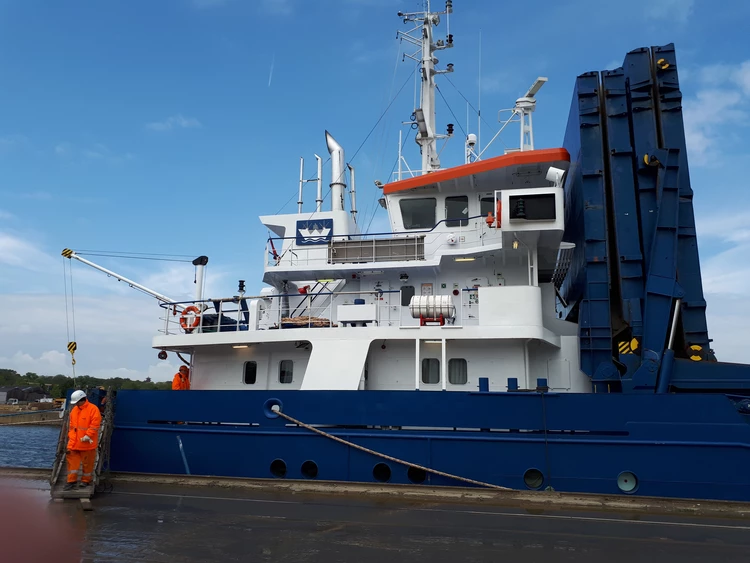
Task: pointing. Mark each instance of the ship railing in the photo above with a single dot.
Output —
(463, 233)
(272, 311)
(302, 310)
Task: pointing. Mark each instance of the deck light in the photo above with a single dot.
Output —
(464, 259)
(240, 346)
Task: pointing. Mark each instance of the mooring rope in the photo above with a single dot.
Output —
(388, 457)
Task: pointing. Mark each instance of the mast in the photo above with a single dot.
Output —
(424, 116)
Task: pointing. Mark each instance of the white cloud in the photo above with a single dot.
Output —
(114, 325)
(8, 142)
(675, 10)
(20, 253)
(723, 99)
(725, 276)
(174, 122)
(95, 152)
(63, 149)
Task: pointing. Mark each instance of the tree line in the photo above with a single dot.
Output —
(58, 385)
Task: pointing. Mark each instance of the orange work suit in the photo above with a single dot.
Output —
(84, 421)
(180, 382)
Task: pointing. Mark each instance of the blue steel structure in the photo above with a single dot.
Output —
(664, 419)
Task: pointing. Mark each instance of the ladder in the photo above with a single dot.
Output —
(58, 478)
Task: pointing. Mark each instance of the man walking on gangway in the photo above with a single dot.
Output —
(83, 439)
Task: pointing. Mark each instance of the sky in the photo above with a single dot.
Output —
(169, 126)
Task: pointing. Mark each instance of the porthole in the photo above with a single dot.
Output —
(309, 469)
(533, 479)
(381, 472)
(416, 475)
(278, 468)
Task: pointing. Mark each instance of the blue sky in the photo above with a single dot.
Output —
(169, 126)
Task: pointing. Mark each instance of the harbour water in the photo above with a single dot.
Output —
(28, 445)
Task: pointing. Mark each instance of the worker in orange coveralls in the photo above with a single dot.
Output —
(83, 438)
(181, 380)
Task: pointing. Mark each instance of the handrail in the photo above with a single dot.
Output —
(275, 295)
(409, 232)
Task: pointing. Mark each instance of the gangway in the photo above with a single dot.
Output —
(58, 478)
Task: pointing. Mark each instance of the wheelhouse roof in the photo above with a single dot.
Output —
(508, 170)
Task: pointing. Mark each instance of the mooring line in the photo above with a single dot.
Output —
(388, 457)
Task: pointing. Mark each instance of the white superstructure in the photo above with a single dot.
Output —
(462, 288)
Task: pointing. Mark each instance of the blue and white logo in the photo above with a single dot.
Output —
(318, 231)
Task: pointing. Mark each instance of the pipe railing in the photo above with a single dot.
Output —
(294, 255)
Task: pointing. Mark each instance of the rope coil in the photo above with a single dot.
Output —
(388, 457)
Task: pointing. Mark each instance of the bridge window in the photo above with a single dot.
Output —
(457, 211)
(430, 371)
(458, 373)
(286, 371)
(418, 213)
(251, 373)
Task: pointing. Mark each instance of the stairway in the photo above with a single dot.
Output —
(58, 479)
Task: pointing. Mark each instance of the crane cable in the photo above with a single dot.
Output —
(72, 346)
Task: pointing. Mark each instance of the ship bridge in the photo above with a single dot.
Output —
(461, 213)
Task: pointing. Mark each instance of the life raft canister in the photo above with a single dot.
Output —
(196, 318)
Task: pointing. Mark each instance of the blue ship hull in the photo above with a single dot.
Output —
(673, 445)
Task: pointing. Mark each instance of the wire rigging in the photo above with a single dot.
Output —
(395, 163)
(136, 253)
(372, 130)
(108, 255)
(450, 109)
(470, 104)
(70, 318)
(65, 283)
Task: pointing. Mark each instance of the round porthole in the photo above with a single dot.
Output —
(627, 482)
(533, 478)
(416, 476)
(381, 472)
(310, 469)
(278, 468)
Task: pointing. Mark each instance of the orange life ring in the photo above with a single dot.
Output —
(196, 320)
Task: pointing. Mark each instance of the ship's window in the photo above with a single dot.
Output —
(418, 213)
(457, 211)
(286, 371)
(430, 371)
(458, 373)
(532, 207)
(251, 372)
(487, 205)
(407, 292)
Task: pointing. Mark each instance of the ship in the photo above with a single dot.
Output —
(531, 320)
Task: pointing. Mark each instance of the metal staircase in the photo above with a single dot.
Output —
(58, 478)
